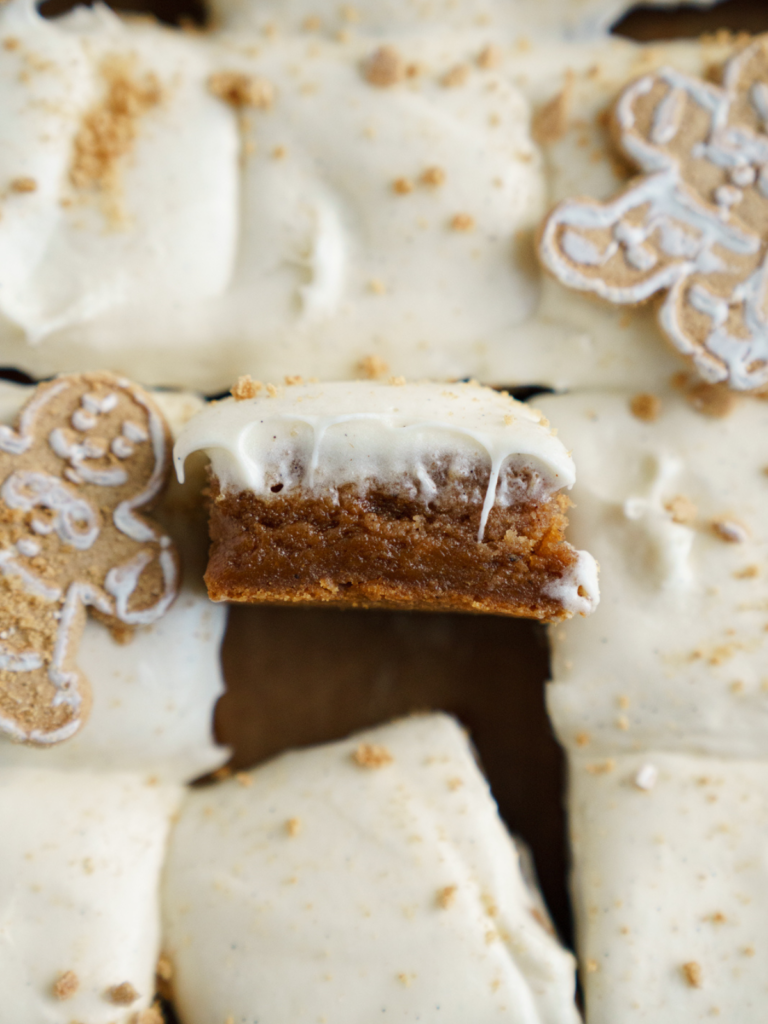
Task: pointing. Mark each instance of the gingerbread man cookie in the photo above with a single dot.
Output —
(694, 226)
(89, 453)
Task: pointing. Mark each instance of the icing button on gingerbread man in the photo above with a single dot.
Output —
(694, 226)
(89, 454)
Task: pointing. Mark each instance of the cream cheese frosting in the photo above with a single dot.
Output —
(670, 886)
(334, 227)
(80, 860)
(674, 512)
(371, 877)
(87, 821)
(553, 17)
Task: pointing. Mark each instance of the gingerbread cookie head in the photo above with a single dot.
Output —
(694, 227)
(89, 454)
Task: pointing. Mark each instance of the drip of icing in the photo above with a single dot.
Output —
(400, 432)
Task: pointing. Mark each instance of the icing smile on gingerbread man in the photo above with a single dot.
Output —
(88, 453)
(694, 226)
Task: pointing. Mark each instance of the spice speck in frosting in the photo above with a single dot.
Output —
(371, 755)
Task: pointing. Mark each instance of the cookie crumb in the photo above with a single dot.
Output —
(244, 779)
(489, 57)
(108, 130)
(397, 382)
(693, 974)
(384, 67)
(373, 367)
(550, 122)
(682, 510)
(245, 388)
(462, 222)
(455, 77)
(601, 767)
(645, 407)
(66, 985)
(123, 994)
(591, 965)
(582, 739)
(292, 380)
(240, 90)
(293, 826)
(715, 400)
(433, 177)
(164, 968)
(377, 286)
(446, 896)
(402, 186)
(23, 185)
(372, 755)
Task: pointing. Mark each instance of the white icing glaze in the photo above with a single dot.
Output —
(343, 917)
(80, 863)
(674, 657)
(689, 232)
(362, 432)
(666, 875)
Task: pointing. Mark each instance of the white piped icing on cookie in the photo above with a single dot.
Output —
(681, 229)
(95, 550)
(322, 436)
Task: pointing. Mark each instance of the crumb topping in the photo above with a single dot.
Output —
(397, 382)
(402, 186)
(446, 896)
(293, 827)
(22, 185)
(682, 510)
(240, 90)
(244, 779)
(462, 222)
(377, 286)
(373, 367)
(372, 755)
(245, 388)
(645, 407)
(601, 767)
(109, 129)
(715, 400)
(384, 67)
(123, 994)
(164, 968)
(550, 123)
(66, 985)
(433, 177)
(489, 57)
(292, 380)
(456, 76)
(693, 974)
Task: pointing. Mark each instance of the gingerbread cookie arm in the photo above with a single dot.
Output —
(90, 454)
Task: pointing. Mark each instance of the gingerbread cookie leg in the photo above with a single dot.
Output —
(424, 496)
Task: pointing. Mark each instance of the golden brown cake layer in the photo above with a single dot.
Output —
(384, 549)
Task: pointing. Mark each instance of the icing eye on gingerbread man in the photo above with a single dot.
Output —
(89, 454)
(695, 225)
